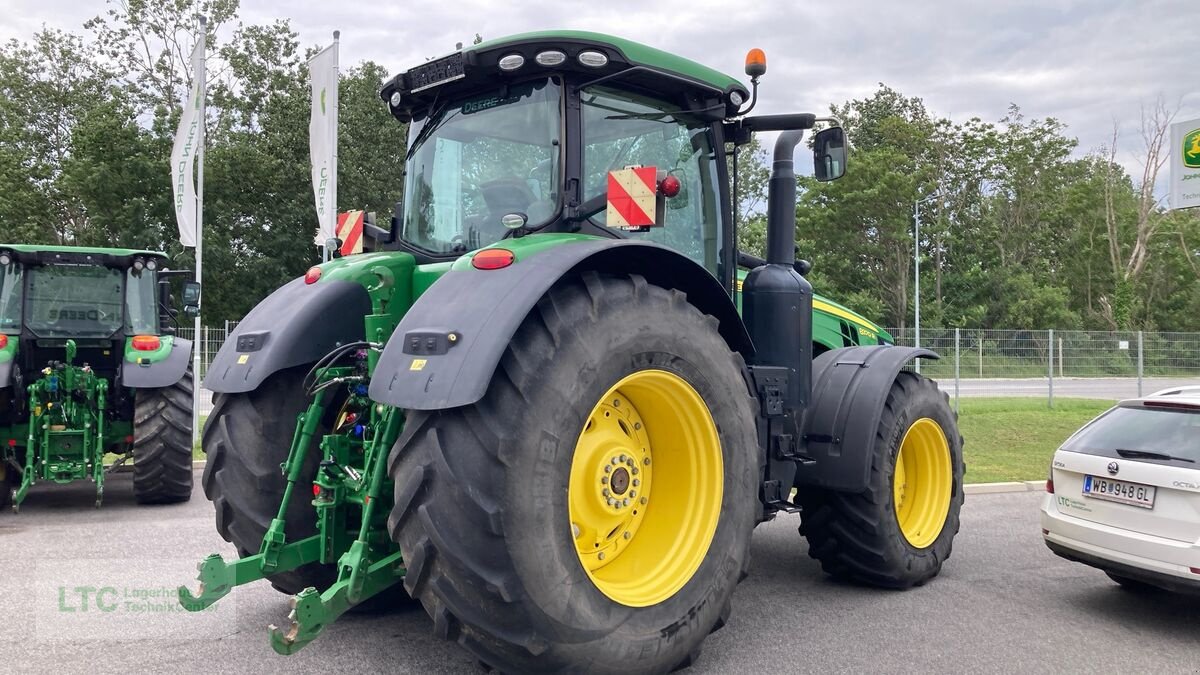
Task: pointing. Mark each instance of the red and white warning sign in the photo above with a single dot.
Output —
(350, 231)
(632, 197)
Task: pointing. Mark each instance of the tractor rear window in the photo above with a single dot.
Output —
(474, 161)
(74, 301)
(10, 299)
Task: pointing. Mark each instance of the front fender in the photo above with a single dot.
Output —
(850, 387)
(421, 369)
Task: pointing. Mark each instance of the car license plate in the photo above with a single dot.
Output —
(1120, 491)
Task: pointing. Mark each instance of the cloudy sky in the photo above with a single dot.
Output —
(1085, 62)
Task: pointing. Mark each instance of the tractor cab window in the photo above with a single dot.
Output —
(621, 129)
(141, 303)
(473, 161)
(74, 301)
(10, 299)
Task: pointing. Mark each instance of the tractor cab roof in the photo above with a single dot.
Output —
(593, 56)
(78, 255)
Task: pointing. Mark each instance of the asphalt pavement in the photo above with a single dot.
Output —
(86, 590)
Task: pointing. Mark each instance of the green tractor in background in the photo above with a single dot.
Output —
(554, 401)
(90, 365)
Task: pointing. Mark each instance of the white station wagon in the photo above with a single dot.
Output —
(1124, 493)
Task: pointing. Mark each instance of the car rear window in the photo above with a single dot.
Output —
(1170, 432)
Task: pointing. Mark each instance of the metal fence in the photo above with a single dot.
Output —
(1049, 363)
(987, 362)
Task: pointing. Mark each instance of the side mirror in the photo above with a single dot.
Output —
(191, 298)
(829, 154)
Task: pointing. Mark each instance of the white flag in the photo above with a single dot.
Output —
(1185, 165)
(322, 140)
(183, 152)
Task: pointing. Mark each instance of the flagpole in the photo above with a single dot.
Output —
(198, 345)
(333, 169)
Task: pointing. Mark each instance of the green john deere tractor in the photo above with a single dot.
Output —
(90, 365)
(549, 404)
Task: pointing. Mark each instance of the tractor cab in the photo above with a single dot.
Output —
(569, 132)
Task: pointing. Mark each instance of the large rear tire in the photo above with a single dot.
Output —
(162, 443)
(899, 531)
(246, 438)
(503, 507)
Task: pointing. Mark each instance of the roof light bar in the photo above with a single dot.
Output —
(511, 62)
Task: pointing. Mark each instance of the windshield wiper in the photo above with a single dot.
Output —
(1146, 454)
(427, 130)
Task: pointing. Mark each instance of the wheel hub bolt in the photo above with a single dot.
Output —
(636, 482)
(643, 500)
(605, 492)
(628, 535)
(600, 555)
(604, 480)
(633, 493)
(637, 426)
(614, 461)
(646, 461)
(607, 468)
(634, 470)
(625, 502)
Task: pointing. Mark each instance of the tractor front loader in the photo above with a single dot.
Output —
(553, 400)
(89, 365)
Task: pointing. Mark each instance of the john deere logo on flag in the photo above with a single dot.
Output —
(1191, 149)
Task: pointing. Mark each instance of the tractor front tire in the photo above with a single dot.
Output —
(162, 443)
(899, 531)
(246, 439)
(593, 511)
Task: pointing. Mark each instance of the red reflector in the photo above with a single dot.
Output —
(12, 442)
(1050, 485)
(1045, 532)
(311, 276)
(146, 343)
(3, 340)
(1195, 570)
(669, 186)
(492, 259)
(316, 490)
(129, 439)
(1170, 405)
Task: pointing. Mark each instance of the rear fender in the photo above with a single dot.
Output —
(297, 324)
(850, 387)
(159, 373)
(422, 368)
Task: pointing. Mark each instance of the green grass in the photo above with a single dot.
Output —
(197, 453)
(1014, 438)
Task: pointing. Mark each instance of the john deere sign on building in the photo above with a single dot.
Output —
(1185, 164)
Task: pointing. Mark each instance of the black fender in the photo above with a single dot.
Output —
(421, 369)
(162, 373)
(297, 324)
(850, 387)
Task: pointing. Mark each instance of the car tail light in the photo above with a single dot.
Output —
(1195, 570)
(1170, 405)
(492, 259)
(146, 343)
(1050, 485)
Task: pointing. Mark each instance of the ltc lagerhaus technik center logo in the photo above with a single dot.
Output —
(1191, 149)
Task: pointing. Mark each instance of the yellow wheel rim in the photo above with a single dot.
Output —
(645, 488)
(922, 483)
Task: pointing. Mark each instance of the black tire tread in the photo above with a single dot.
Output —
(162, 443)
